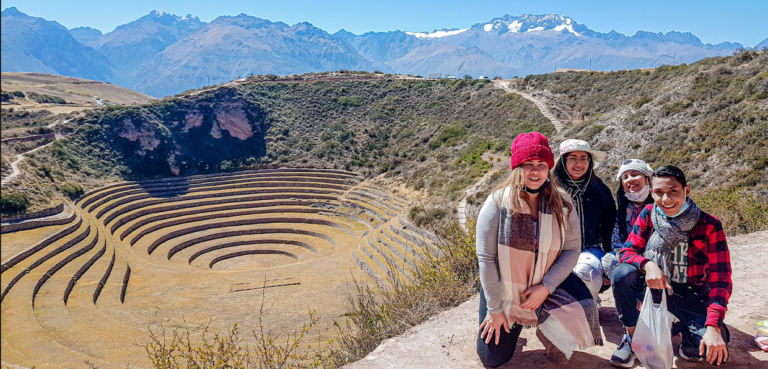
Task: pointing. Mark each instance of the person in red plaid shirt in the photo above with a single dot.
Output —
(675, 246)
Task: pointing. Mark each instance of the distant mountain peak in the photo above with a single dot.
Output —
(162, 16)
(12, 11)
(438, 33)
(533, 23)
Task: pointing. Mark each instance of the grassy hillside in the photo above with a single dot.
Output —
(710, 118)
(427, 133)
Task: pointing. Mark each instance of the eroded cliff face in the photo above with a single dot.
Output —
(232, 118)
(185, 135)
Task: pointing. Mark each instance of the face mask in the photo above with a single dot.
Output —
(638, 196)
(682, 209)
(533, 192)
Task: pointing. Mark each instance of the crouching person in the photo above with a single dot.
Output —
(676, 247)
(528, 241)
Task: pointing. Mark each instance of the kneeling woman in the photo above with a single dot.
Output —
(528, 241)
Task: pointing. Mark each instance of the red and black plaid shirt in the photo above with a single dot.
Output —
(708, 258)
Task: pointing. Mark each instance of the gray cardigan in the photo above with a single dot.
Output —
(487, 247)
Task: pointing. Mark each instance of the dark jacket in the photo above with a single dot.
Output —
(599, 209)
(599, 214)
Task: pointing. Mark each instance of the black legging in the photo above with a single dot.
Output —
(493, 355)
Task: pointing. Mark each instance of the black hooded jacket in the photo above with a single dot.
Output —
(599, 209)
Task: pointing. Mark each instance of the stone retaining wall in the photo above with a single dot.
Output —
(391, 262)
(405, 258)
(82, 270)
(367, 269)
(126, 278)
(44, 278)
(328, 173)
(45, 258)
(238, 203)
(39, 246)
(103, 281)
(36, 214)
(246, 232)
(208, 216)
(252, 242)
(250, 252)
(31, 224)
(171, 192)
(235, 223)
(265, 195)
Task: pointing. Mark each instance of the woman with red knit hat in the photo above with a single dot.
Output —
(528, 241)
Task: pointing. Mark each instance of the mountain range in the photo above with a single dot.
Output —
(162, 54)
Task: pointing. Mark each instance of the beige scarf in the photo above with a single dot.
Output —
(520, 264)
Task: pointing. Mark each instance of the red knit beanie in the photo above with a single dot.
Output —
(529, 146)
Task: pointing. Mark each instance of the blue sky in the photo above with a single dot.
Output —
(713, 21)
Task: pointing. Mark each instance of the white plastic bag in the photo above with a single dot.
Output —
(652, 341)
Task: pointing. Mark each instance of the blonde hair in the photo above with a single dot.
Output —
(550, 196)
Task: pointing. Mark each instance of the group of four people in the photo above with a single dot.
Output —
(550, 239)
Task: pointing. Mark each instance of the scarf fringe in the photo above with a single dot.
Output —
(526, 323)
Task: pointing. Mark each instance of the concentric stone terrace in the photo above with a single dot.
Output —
(203, 248)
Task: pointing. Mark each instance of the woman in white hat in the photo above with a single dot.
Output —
(594, 203)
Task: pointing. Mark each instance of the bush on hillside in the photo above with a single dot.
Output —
(45, 99)
(71, 190)
(13, 203)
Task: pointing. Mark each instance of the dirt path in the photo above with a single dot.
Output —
(544, 110)
(15, 164)
(448, 340)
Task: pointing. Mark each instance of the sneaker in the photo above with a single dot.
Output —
(553, 353)
(624, 356)
(691, 356)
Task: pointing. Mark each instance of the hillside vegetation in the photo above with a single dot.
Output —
(710, 118)
(427, 133)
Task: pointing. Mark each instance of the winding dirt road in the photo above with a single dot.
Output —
(15, 164)
(543, 108)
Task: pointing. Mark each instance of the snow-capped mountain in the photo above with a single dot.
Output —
(534, 23)
(163, 53)
(541, 43)
(133, 44)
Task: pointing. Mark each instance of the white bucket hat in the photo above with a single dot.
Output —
(572, 145)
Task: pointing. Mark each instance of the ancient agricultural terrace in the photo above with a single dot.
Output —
(202, 249)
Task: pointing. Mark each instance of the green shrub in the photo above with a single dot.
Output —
(449, 135)
(676, 107)
(639, 103)
(738, 210)
(13, 203)
(46, 99)
(71, 190)
(350, 101)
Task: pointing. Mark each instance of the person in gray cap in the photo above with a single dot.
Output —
(632, 196)
(593, 201)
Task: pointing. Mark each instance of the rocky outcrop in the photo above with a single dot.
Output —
(232, 119)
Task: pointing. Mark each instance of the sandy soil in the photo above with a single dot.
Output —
(449, 339)
(77, 92)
